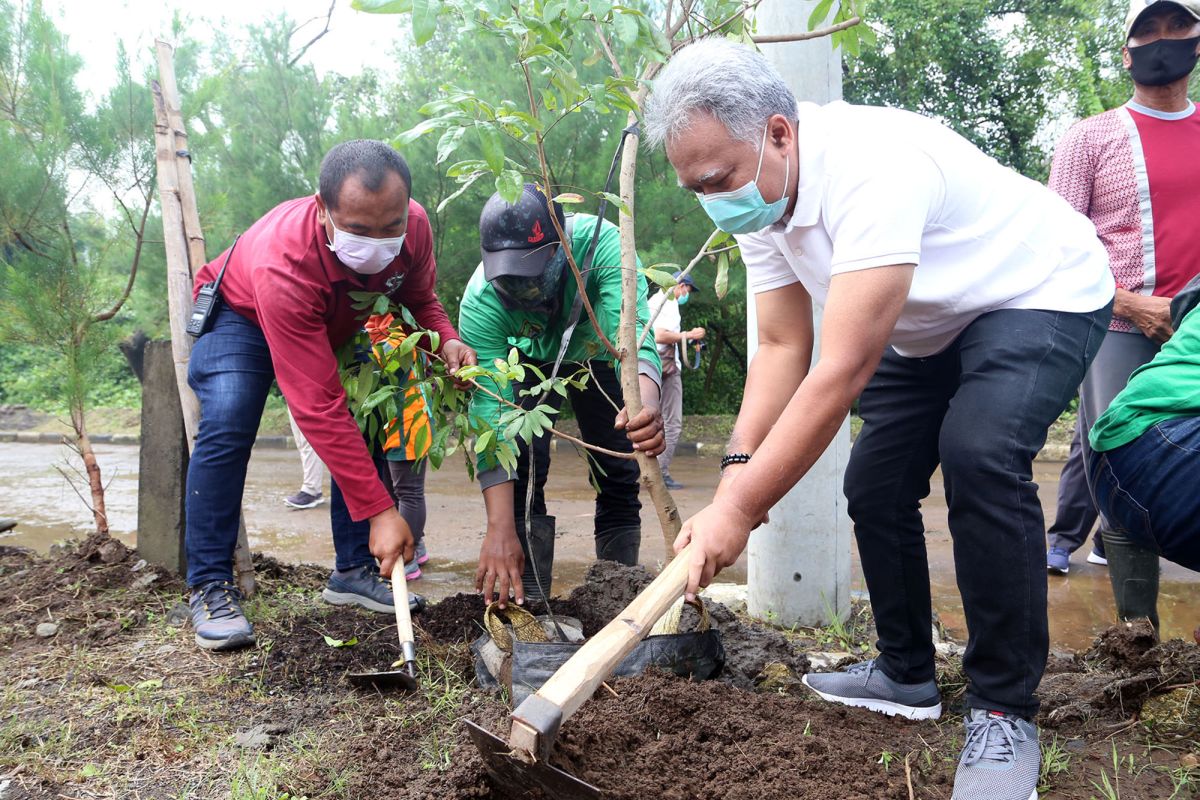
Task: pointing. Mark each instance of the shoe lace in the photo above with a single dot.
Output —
(863, 666)
(991, 738)
(221, 600)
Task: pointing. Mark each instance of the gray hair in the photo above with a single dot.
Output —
(731, 82)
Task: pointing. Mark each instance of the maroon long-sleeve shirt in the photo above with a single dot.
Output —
(284, 278)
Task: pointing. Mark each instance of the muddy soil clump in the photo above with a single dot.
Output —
(456, 618)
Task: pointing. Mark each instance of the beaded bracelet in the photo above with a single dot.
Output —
(734, 458)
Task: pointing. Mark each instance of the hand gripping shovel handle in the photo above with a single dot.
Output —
(408, 646)
(537, 720)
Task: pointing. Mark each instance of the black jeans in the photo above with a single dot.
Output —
(981, 409)
(617, 503)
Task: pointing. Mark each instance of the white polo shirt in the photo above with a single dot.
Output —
(669, 319)
(881, 186)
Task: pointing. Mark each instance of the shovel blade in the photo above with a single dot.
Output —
(393, 679)
(517, 776)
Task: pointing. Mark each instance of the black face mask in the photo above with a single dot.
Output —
(538, 294)
(1163, 62)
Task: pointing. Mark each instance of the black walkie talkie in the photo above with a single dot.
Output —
(205, 307)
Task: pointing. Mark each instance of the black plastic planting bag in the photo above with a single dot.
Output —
(698, 655)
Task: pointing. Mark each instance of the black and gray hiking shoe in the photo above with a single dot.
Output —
(363, 586)
(1001, 759)
(217, 617)
(865, 686)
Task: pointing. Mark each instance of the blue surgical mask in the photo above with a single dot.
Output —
(683, 298)
(744, 210)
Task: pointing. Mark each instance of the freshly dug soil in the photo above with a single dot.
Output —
(122, 682)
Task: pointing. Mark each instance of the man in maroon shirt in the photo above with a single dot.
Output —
(285, 308)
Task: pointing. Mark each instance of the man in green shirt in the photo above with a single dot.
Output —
(1146, 455)
(522, 295)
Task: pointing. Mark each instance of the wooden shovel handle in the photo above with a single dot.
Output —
(576, 680)
(400, 600)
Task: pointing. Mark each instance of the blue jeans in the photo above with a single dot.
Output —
(1146, 490)
(231, 373)
(981, 409)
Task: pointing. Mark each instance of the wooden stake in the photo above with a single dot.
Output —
(184, 242)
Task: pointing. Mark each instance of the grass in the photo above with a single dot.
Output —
(1055, 761)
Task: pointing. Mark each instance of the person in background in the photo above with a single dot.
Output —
(1144, 462)
(672, 342)
(312, 471)
(1133, 171)
(522, 296)
(962, 319)
(285, 305)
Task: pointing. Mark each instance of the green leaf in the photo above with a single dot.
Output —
(332, 642)
(417, 131)
(568, 198)
(382, 304)
(600, 8)
(510, 184)
(626, 28)
(491, 145)
(424, 13)
(664, 279)
(485, 439)
(616, 200)
(819, 14)
(721, 286)
(383, 6)
(448, 143)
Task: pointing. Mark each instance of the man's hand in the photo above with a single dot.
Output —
(391, 541)
(695, 334)
(501, 562)
(718, 535)
(1152, 315)
(457, 356)
(645, 430)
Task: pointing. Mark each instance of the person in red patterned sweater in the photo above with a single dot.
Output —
(1133, 171)
(285, 306)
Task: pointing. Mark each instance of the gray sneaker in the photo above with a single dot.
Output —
(1001, 759)
(363, 586)
(864, 686)
(302, 500)
(217, 617)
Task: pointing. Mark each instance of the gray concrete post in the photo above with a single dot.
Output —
(799, 563)
(162, 463)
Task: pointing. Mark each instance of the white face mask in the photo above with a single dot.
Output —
(364, 255)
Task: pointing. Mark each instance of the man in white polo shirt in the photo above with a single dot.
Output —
(963, 302)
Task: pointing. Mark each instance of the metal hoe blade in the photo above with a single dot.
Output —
(402, 679)
(517, 776)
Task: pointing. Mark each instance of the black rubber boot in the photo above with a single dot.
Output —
(1133, 571)
(541, 536)
(620, 545)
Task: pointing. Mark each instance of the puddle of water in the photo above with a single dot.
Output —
(33, 491)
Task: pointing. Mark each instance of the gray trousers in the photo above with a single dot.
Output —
(408, 487)
(670, 402)
(1120, 354)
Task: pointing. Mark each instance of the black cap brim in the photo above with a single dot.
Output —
(521, 263)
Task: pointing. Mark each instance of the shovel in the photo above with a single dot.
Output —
(523, 761)
(404, 678)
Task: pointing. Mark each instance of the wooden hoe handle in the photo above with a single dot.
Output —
(536, 720)
(403, 618)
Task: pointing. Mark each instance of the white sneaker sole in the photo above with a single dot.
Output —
(1092, 558)
(302, 506)
(232, 643)
(882, 706)
(348, 599)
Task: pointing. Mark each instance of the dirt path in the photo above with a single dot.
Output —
(116, 702)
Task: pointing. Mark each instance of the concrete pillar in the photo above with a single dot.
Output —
(799, 563)
(162, 463)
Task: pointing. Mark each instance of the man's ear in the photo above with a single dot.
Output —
(1126, 59)
(322, 212)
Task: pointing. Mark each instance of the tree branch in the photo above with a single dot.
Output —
(687, 271)
(315, 39)
(133, 268)
(815, 34)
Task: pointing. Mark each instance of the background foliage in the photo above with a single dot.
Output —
(1007, 74)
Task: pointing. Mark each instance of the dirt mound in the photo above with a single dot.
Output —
(457, 618)
(1124, 647)
(606, 589)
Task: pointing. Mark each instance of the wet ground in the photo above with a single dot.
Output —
(33, 491)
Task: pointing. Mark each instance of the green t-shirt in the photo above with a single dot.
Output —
(1165, 388)
(492, 330)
